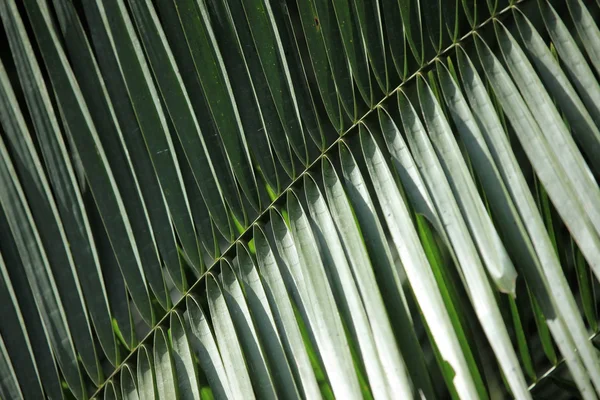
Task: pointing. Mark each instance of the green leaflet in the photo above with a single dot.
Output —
(558, 85)
(396, 37)
(210, 138)
(110, 392)
(56, 158)
(325, 23)
(434, 20)
(522, 340)
(265, 324)
(345, 289)
(166, 376)
(371, 29)
(321, 66)
(587, 295)
(280, 306)
(413, 28)
(207, 234)
(388, 277)
(474, 277)
(312, 113)
(9, 386)
(547, 279)
(183, 358)
(415, 263)
(53, 237)
(75, 222)
(395, 371)
(145, 373)
(545, 337)
(205, 349)
(116, 290)
(223, 107)
(122, 138)
(587, 29)
(229, 345)
(260, 16)
(113, 22)
(302, 267)
(570, 165)
(40, 279)
(178, 106)
(536, 145)
(31, 320)
(102, 114)
(16, 337)
(262, 380)
(249, 87)
(354, 49)
(522, 197)
(128, 383)
(497, 263)
(573, 61)
(404, 164)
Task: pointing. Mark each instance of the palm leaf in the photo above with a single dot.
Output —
(299, 199)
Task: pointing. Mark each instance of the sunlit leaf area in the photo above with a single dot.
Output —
(299, 199)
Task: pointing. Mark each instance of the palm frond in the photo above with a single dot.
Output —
(311, 199)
